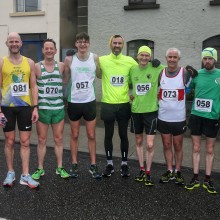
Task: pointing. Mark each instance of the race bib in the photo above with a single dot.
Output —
(82, 86)
(117, 80)
(142, 88)
(203, 105)
(19, 89)
(170, 95)
(51, 91)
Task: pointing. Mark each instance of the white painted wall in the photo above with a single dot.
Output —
(184, 24)
(48, 23)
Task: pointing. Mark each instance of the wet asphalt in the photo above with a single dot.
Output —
(110, 198)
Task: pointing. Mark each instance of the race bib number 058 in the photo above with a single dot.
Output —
(203, 105)
(19, 89)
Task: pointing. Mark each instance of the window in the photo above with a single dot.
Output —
(214, 2)
(141, 4)
(27, 5)
(133, 46)
(32, 46)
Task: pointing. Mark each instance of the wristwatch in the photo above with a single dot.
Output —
(35, 106)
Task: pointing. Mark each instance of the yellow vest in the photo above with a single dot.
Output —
(15, 83)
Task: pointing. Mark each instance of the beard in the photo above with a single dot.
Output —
(209, 66)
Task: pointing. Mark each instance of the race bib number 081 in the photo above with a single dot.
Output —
(19, 89)
(203, 105)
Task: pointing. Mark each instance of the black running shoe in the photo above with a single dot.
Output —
(109, 170)
(148, 180)
(74, 170)
(125, 170)
(166, 177)
(208, 185)
(194, 183)
(94, 171)
(179, 178)
(141, 176)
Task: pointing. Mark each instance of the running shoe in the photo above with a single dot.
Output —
(94, 171)
(166, 177)
(10, 178)
(194, 183)
(109, 170)
(141, 176)
(208, 185)
(148, 180)
(27, 180)
(38, 173)
(62, 172)
(179, 178)
(125, 170)
(74, 170)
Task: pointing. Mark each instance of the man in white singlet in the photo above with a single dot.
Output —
(80, 73)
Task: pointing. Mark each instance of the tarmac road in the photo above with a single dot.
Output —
(111, 198)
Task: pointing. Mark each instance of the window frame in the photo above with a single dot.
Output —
(141, 5)
(23, 8)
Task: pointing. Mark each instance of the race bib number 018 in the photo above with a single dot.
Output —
(142, 88)
(19, 89)
(117, 80)
(51, 91)
(203, 105)
(170, 95)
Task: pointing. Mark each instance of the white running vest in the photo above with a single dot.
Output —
(172, 97)
(81, 86)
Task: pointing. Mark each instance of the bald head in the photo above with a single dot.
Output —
(14, 43)
(13, 35)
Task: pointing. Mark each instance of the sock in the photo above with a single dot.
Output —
(148, 172)
(124, 162)
(207, 177)
(110, 162)
(142, 168)
(196, 176)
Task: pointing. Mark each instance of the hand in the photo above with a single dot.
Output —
(35, 116)
(193, 72)
(70, 52)
(131, 97)
(155, 63)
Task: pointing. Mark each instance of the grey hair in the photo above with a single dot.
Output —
(175, 50)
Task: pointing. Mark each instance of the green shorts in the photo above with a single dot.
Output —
(47, 116)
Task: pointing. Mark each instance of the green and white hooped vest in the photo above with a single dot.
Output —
(50, 89)
(81, 87)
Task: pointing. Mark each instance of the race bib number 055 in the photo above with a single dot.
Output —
(19, 89)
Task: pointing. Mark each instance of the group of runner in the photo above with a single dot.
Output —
(33, 93)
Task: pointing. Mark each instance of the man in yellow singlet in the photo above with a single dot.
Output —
(19, 91)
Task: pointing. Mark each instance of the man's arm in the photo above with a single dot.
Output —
(66, 75)
(98, 69)
(34, 90)
(1, 114)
